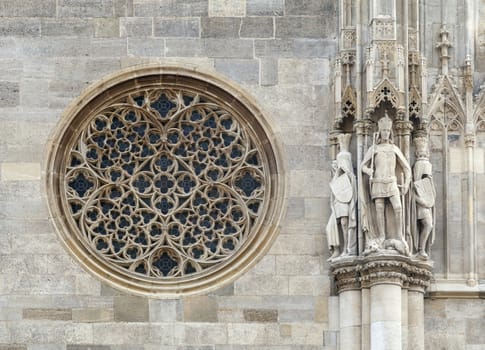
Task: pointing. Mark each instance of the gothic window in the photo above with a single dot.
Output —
(164, 182)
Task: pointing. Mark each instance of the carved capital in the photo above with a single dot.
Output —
(346, 276)
(403, 127)
(383, 271)
(470, 140)
(348, 57)
(364, 272)
(363, 126)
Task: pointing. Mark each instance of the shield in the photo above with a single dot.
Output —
(425, 191)
(342, 188)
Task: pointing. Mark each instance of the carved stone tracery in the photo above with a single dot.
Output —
(164, 182)
(163, 185)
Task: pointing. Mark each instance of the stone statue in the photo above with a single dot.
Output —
(386, 176)
(424, 200)
(342, 222)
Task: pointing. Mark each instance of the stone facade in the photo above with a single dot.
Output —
(283, 53)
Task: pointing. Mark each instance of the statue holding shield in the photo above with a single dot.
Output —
(424, 199)
(341, 227)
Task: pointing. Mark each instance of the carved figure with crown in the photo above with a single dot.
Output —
(386, 176)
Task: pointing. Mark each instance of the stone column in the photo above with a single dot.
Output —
(405, 317)
(385, 316)
(379, 296)
(416, 319)
(350, 319)
(365, 318)
(350, 304)
(389, 276)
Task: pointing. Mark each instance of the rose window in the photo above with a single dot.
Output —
(163, 182)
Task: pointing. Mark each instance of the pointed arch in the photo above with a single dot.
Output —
(349, 103)
(386, 91)
(446, 109)
(479, 113)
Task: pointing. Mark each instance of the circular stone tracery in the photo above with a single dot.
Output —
(164, 184)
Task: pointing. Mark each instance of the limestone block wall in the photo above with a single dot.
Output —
(281, 52)
(50, 50)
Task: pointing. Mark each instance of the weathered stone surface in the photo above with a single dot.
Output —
(146, 47)
(301, 48)
(174, 8)
(26, 27)
(9, 94)
(120, 333)
(245, 71)
(28, 8)
(35, 332)
(293, 316)
(474, 331)
(130, 309)
(165, 310)
(308, 183)
(10, 69)
(68, 27)
(257, 27)
(200, 309)
(254, 333)
(107, 28)
(13, 347)
(47, 314)
(176, 27)
(87, 347)
(308, 285)
(266, 266)
(82, 8)
(255, 315)
(224, 290)
(92, 315)
(268, 71)
(123, 8)
(229, 48)
(302, 27)
(200, 334)
(265, 7)
(310, 71)
(19, 171)
(310, 7)
(136, 27)
(71, 47)
(261, 285)
(227, 8)
(220, 27)
(184, 47)
(305, 157)
(297, 265)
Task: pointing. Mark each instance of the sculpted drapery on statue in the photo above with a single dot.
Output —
(424, 200)
(386, 175)
(341, 227)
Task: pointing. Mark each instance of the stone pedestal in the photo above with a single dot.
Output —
(381, 301)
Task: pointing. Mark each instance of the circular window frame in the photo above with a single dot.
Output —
(221, 90)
